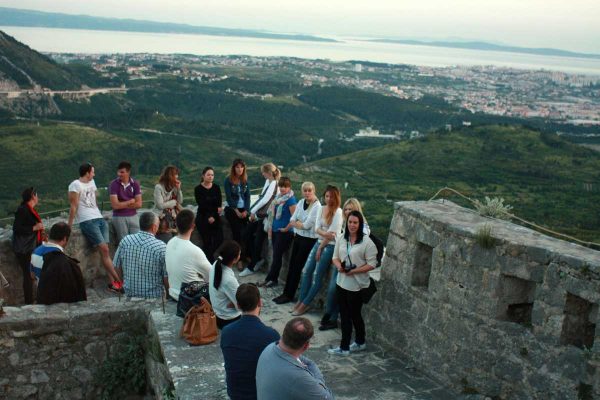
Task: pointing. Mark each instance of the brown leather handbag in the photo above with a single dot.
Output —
(200, 324)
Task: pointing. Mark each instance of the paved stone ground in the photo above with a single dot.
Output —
(198, 373)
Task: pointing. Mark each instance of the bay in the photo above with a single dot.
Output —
(90, 41)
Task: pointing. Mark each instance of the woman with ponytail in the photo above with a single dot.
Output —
(28, 232)
(223, 284)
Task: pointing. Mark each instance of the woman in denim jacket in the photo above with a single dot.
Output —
(237, 194)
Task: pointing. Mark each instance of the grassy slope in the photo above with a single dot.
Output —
(542, 176)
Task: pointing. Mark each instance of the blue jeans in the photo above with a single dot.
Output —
(313, 272)
(332, 307)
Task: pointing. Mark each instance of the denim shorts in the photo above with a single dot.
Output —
(95, 230)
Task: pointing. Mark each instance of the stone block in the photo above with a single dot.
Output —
(38, 376)
(83, 375)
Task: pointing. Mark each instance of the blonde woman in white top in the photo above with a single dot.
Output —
(354, 256)
(328, 226)
(255, 234)
(303, 221)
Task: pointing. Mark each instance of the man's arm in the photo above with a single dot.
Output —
(119, 205)
(138, 201)
(311, 385)
(73, 205)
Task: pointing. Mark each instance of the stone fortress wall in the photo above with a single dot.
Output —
(518, 320)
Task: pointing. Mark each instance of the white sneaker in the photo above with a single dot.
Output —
(246, 272)
(357, 347)
(338, 352)
(259, 264)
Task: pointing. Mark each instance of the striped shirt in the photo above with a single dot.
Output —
(142, 258)
(37, 257)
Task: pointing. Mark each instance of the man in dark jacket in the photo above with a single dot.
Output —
(61, 280)
(242, 342)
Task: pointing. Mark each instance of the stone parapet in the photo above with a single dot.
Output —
(518, 319)
(53, 352)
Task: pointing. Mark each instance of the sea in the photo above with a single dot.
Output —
(91, 41)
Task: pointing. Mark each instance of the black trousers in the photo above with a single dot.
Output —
(350, 311)
(301, 248)
(236, 224)
(222, 323)
(24, 261)
(254, 237)
(212, 236)
(281, 242)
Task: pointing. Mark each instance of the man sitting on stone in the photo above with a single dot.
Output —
(243, 341)
(140, 258)
(186, 262)
(284, 373)
(61, 280)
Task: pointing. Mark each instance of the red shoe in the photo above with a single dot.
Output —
(116, 287)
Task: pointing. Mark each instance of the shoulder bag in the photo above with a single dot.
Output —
(200, 324)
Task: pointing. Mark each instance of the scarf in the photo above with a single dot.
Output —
(279, 200)
(38, 219)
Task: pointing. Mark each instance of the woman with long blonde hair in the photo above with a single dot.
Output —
(255, 234)
(328, 226)
(303, 221)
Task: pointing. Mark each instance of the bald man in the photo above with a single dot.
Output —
(284, 373)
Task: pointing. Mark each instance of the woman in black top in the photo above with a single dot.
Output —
(28, 231)
(209, 200)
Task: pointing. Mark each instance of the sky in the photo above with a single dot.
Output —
(571, 25)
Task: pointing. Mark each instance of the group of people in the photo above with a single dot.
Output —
(155, 254)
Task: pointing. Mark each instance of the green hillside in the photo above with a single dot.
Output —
(545, 179)
(27, 67)
(48, 156)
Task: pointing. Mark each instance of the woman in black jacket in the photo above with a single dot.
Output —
(208, 220)
(28, 231)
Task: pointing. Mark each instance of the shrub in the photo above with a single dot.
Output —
(494, 208)
(124, 371)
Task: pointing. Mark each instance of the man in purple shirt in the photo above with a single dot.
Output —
(125, 199)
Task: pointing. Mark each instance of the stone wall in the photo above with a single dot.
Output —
(52, 352)
(518, 320)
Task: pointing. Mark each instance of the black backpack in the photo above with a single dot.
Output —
(380, 248)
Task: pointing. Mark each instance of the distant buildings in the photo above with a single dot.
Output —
(373, 133)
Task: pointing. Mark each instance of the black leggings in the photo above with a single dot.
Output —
(212, 237)
(350, 310)
(254, 237)
(236, 224)
(301, 248)
(24, 261)
(281, 242)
